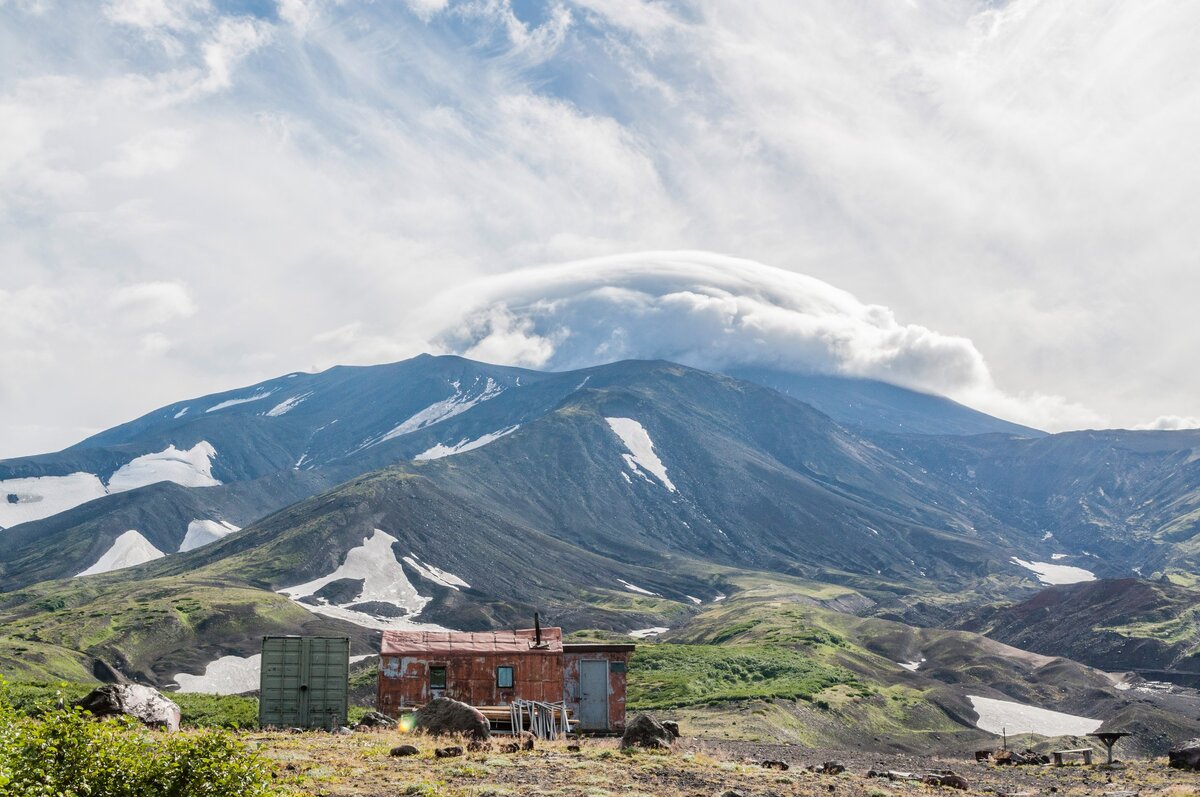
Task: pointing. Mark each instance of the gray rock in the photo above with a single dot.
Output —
(373, 719)
(403, 750)
(647, 732)
(143, 703)
(442, 716)
(1185, 755)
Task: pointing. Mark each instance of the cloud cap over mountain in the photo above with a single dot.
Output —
(714, 311)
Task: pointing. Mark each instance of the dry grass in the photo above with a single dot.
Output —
(319, 765)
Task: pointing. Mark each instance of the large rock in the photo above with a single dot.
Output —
(1185, 755)
(647, 732)
(442, 716)
(133, 700)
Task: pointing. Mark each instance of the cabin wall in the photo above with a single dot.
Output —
(618, 664)
(404, 680)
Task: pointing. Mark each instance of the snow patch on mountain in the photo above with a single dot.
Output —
(384, 582)
(234, 402)
(641, 457)
(205, 532)
(439, 451)
(287, 405)
(911, 666)
(439, 411)
(643, 633)
(1006, 716)
(228, 675)
(181, 413)
(231, 675)
(130, 549)
(436, 574)
(636, 588)
(1056, 574)
(190, 468)
(37, 497)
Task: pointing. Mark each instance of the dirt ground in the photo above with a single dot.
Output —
(321, 765)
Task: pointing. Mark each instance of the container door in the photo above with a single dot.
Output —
(593, 695)
(326, 682)
(280, 681)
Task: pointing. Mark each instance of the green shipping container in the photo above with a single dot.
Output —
(305, 682)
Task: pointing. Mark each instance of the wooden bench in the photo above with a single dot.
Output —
(1086, 752)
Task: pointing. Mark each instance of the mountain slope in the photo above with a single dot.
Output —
(879, 406)
(1128, 624)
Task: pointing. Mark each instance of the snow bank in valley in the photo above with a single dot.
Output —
(1005, 716)
(1048, 573)
(648, 632)
(25, 500)
(641, 458)
(205, 532)
(439, 451)
(384, 582)
(130, 549)
(190, 468)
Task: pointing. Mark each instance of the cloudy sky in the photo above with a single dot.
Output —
(997, 201)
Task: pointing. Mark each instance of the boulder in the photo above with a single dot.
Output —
(143, 703)
(403, 750)
(442, 716)
(1185, 755)
(645, 731)
(947, 779)
(373, 719)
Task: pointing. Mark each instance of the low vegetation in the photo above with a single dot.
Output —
(51, 749)
(672, 676)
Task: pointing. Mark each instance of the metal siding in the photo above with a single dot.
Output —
(471, 678)
(304, 682)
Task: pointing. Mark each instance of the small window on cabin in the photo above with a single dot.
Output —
(504, 677)
(437, 677)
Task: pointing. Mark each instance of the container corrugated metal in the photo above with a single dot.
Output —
(304, 682)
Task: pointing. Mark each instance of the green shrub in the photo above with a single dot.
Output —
(64, 752)
(671, 675)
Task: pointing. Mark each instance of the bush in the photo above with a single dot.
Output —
(64, 752)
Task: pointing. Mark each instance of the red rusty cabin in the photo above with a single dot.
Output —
(494, 668)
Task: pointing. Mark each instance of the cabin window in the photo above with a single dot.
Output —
(437, 677)
(504, 677)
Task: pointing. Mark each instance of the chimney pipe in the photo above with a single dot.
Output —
(537, 630)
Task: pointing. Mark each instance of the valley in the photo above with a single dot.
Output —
(829, 581)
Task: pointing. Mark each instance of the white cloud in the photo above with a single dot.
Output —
(152, 303)
(1019, 175)
(1169, 422)
(715, 312)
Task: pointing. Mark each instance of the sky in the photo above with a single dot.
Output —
(996, 201)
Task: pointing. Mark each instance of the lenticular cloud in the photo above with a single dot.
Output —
(717, 312)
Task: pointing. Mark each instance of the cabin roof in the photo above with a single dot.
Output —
(449, 643)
